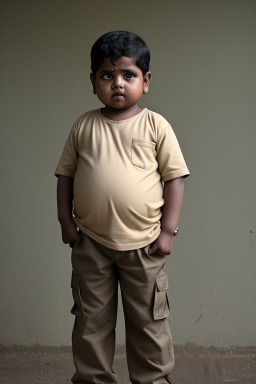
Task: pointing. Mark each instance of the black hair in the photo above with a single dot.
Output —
(120, 43)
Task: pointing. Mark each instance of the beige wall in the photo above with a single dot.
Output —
(203, 64)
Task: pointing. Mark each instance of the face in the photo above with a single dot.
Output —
(120, 85)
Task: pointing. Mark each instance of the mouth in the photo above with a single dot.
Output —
(118, 94)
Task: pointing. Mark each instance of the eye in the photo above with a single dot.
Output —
(129, 76)
(106, 76)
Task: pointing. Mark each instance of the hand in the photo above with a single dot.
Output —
(163, 245)
(70, 233)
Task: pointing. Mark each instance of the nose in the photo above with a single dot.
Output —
(117, 83)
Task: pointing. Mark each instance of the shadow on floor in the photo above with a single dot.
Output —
(194, 365)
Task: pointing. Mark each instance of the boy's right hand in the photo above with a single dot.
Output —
(70, 233)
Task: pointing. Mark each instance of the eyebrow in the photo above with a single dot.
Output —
(120, 70)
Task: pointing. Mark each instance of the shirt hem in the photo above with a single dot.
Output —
(173, 175)
(64, 172)
(115, 246)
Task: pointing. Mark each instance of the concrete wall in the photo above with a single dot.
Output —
(203, 65)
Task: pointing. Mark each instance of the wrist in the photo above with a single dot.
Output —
(170, 231)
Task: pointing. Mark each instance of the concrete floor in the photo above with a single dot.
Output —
(194, 365)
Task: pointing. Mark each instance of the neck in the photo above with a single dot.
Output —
(121, 114)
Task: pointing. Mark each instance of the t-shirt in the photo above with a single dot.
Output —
(118, 169)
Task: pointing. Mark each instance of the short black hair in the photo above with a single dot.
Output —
(120, 43)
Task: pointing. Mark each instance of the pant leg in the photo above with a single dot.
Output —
(149, 347)
(94, 287)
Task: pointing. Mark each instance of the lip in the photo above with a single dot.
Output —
(118, 95)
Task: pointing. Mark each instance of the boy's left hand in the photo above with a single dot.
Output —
(163, 245)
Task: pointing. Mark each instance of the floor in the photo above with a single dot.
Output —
(194, 365)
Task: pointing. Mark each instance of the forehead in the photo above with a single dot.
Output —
(123, 62)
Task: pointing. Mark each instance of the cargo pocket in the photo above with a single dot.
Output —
(161, 302)
(77, 308)
(142, 153)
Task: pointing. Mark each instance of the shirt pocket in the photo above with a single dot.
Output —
(143, 153)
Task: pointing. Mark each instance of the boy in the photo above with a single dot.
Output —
(119, 219)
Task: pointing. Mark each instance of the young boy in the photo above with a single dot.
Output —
(119, 218)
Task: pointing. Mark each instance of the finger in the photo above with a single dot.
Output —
(65, 241)
(78, 236)
(153, 250)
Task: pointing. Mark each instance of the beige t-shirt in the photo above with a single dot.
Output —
(118, 168)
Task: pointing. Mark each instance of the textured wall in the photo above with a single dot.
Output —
(203, 65)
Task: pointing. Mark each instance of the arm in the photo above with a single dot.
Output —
(173, 198)
(64, 201)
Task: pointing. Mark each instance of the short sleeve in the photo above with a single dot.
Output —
(171, 163)
(68, 161)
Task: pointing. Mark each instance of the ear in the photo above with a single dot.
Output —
(93, 83)
(146, 82)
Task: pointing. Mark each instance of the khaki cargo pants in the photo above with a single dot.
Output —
(143, 282)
